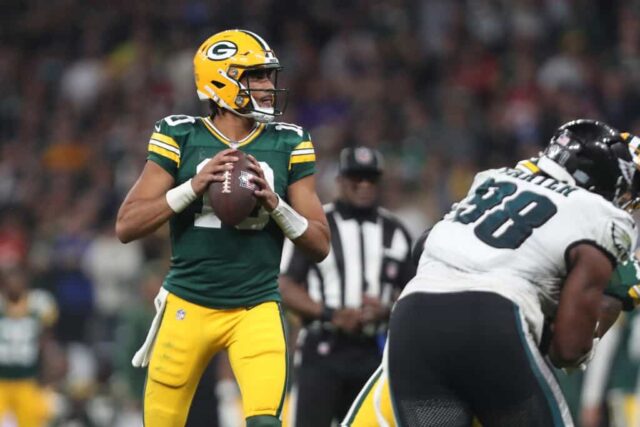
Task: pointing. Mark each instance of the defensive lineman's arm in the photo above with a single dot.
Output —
(580, 305)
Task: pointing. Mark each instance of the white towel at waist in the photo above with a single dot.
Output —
(143, 355)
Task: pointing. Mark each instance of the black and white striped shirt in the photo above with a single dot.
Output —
(370, 254)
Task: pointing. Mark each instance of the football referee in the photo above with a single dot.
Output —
(345, 300)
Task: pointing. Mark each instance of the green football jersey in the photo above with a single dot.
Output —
(212, 264)
(20, 334)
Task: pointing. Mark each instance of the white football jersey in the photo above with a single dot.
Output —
(511, 236)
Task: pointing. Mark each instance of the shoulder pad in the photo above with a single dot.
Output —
(294, 133)
(175, 125)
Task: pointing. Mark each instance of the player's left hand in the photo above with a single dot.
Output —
(265, 195)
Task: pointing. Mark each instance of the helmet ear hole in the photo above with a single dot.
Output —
(217, 84)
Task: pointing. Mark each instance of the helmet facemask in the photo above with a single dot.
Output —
(249, 97)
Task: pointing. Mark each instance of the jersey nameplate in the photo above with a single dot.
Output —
(541, 180)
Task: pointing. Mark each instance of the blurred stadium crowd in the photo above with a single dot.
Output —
(442, 87)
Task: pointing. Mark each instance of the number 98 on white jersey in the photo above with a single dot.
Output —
(511, 234)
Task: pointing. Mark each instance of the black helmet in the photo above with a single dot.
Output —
(598, 158)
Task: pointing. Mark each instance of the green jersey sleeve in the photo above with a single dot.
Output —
(302, 161)
(164, 144)
(625, 284)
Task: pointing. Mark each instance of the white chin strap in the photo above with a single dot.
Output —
(259, 114)
(262, 115)
(554, 170)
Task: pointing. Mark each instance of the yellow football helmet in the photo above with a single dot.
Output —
(220, 64)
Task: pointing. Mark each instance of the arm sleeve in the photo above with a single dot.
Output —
(302, 160)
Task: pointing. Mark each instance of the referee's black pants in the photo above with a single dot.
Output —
(330, 374)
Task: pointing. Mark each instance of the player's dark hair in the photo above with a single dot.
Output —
(214, 108)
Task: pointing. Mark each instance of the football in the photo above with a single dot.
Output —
(232, 200)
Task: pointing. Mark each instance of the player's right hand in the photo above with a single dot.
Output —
(213, 170)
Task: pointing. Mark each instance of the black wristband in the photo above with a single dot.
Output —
(327, 314)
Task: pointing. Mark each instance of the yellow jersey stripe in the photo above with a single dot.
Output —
(165, 146)
(304, 144)
(303, 159)
(244, 141)
(164, 153)
(166, 139)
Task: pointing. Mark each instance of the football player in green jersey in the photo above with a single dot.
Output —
(221, 291)
(26, 318)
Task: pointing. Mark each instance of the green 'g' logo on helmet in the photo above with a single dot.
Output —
(222, 50)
